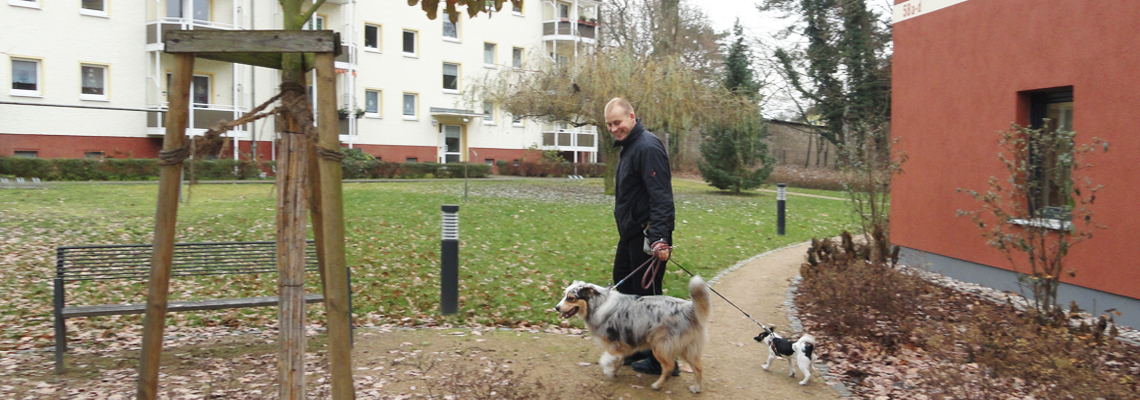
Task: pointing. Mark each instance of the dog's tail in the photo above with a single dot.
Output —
(806, 345)
(699, 292)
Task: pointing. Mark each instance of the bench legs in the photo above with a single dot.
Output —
(60, 327)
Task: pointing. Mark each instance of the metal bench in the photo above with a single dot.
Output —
(132, 262)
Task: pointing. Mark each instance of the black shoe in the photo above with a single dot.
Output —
(650, 366)
(638, 356)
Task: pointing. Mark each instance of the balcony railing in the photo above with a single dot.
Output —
(566, 27)
(156, 29)
(580, 139)
(202, 118)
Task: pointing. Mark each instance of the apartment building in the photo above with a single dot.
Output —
(88, 78)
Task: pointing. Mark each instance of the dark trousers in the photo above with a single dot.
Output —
(630, 255)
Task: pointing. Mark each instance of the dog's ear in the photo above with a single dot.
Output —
(587, 292)
(772, 329)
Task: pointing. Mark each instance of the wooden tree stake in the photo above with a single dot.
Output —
(165, 219)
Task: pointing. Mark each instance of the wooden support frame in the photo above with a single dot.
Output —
(302, 168)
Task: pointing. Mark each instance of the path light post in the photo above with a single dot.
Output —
(781, 194)
(449, 261)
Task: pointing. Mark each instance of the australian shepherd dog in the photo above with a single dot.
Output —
(623, 324)
(798, 351)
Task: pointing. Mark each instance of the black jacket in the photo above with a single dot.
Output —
(643, 190)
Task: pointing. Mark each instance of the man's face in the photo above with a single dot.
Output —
(620, 122)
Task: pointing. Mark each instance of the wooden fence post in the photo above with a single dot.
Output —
(291, 199)
(165, 219)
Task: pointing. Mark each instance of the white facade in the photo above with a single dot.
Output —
(81, 75)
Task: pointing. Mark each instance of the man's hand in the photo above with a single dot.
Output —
(662, 250)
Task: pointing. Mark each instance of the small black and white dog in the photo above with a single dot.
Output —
(797, 352)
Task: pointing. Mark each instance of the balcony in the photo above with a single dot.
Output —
(575, 139)
(566, 29)
(155, 30)
(202, 118)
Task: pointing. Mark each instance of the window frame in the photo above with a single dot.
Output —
(306, 27)
(1039, 102)
(379, 38)
(458, 33)
(25, 153)
(521, 59)
(94, 155)
(415, 106)
(379, 103)
(518, 12)
(39, 90)
(34, 4)
(106, 96)
(494, 55)
(415, 43)
(458, 77)
(489, 121)
(517, 122)
(104, 13)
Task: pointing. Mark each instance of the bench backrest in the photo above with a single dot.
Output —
(84, 263)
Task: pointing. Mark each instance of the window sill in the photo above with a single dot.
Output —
(517, 125)
(25, 93)
(517, 14)
(490, 66)
(452, 40)
(410, 118)
(411, 55)
(373, 116)
(485, 123)
(87, 97)
(25, 4)
(451, 91)
(372, 50)
(1047, 223)
(94, 13)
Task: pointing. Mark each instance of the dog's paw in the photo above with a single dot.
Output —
(695, 389)
(792, 375)
(803, 382)
(655, 386)
(765, 366)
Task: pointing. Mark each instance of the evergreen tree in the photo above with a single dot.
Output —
(735, 155)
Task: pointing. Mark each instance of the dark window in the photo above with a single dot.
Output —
(489, 161)
(93, 155)
(96, 5)
(27, 153)
(1051, 111)
(372, 36)
(411, 160)
(450, 76)
(409, 42)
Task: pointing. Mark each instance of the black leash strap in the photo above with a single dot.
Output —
(718, 294)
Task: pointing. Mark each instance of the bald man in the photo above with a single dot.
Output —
(643, 210)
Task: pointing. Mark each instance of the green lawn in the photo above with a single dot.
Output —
(522, 241)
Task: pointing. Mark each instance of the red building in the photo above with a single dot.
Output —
(963, 71)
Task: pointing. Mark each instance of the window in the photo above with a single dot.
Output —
(372, 103)
(93, 82)
(411, 160)
(488, 113)
(516, 57)
(316, 23)
(25, 77)
(410, 109)
(27, 154)
(93, 155)
(516, 121)
(450, 30)
(563, 10)
(371, 37)
(96, 8)
(450, 78)
(410, 43)
(25, 3)
(1052, 112)
(200, 90)
(517, 10)
(200, 9)
(489, 161)
(489, 55)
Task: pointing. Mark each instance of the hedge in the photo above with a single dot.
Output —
(141, 169)
(549, 169)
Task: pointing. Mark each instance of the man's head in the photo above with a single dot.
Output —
(620, 118)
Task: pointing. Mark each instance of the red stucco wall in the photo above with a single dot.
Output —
(957, 75)
(52, 146)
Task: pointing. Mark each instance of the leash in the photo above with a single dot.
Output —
(718, 293)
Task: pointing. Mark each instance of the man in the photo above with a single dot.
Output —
(643, 210)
